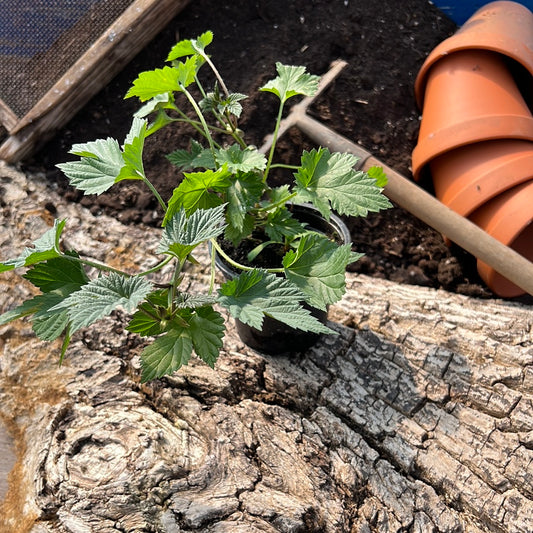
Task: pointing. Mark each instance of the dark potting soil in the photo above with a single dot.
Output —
(371, 103)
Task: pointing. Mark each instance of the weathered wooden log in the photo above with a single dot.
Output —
(416, 417)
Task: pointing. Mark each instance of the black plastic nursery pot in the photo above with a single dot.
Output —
(276, 337)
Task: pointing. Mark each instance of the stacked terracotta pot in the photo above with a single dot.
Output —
(476, 134)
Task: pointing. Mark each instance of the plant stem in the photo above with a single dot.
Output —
(281, 165)
(217, 73)
(276, 204)
(99, 266)
(233, 263)
(274, 140)
(155, 193)
(157, 267)
(198, 111)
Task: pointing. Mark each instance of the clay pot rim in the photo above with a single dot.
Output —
(466, 199)
(480, 129)
(467, 38)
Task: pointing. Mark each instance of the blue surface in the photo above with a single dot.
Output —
(461, 10)
(30, 27)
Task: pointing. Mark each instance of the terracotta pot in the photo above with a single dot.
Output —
(469, 176)
(470, 97)
(508, 218)
(504, 27)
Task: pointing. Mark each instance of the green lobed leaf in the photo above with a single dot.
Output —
(44, 248)
(328, 180)
(198, 190)
(379, 175)
(243, 193)
(100, 164)
(291, 81)
(318, 268)
(56, 274)
(255, 294)
(281, 225)
(166, 354)
(189, 47)
(158, 103)
(133, 151)
(196, 157)
(207, 331)
(99, 297)
(238, 159)
(183, 233)
(151, 315)
(152, 83)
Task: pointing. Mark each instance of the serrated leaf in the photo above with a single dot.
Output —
(255, 294)
(99, 297)
(198, 190)
(281, 225)
(152, 83)
(151, 315)
(44, 248)
(144, 323)
(235, 235)
(318, 268)
(57, 273)
(207, 331)
(379, 175)
(133, 151)
(214, 102)
(192, 301)
(166, 354)
(189, 47)
(243, 193)
(157, 103)
(291, 81)
(48, 325)
(196, 157)
(238, 159)
(183, 233)
(328, 181)
(100, 164)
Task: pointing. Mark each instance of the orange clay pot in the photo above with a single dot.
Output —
(503, 27)
(470, 97)
(508, 218)
(467, 177)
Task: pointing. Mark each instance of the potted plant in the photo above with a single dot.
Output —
(224, 199)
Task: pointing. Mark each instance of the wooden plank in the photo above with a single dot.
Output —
(8, 119)
(133, 30)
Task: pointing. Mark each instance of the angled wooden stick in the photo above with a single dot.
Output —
(510, 264)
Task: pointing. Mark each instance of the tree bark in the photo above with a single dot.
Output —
(416, 417)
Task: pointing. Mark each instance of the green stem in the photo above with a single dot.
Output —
(274, 141)
(276, 204)
(99, 266)
(212, 277)
(281, 165)
(155, 193)
(233, 263)
(198, 111)
(157, 267)
(175, 282)
(217, 73)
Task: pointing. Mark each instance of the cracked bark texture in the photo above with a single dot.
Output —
(416, 418)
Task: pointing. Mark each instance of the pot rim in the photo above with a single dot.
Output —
(503, 27)
(334, 222)
(466, 190)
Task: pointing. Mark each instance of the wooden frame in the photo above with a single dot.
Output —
(122, 40)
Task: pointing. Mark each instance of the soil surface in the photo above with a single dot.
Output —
(371, 103)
